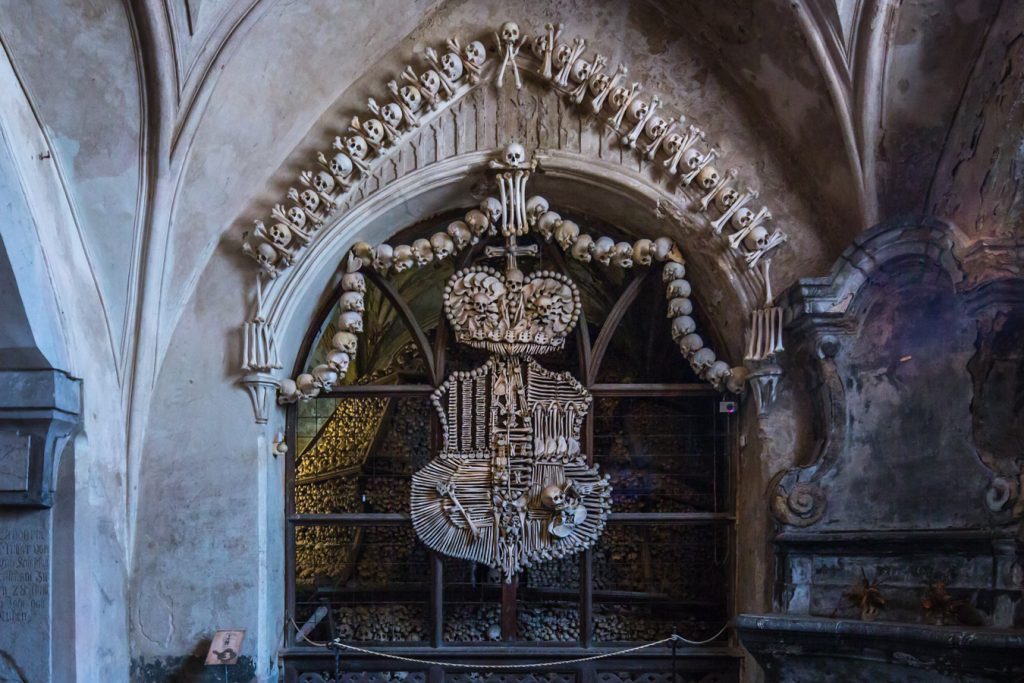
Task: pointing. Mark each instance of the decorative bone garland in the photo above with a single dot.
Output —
(479, 291)
(373, 135)
(511, 486)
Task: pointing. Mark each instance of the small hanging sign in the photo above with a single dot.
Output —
(225, 647)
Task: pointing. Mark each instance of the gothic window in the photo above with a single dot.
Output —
(356, 569)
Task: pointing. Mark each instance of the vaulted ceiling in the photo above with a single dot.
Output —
(171, 122)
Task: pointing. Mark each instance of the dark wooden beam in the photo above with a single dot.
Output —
(405, 313)
(611, 323)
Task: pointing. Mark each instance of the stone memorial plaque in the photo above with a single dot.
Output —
(14, 461)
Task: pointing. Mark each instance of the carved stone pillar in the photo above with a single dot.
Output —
(39, 413)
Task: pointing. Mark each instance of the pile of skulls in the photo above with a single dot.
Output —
(548, 623)
(472, 623)
(323, 377)
(381, 623)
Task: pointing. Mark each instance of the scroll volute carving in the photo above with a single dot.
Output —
(796, 495)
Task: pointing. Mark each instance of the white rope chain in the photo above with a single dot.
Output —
(580, 660)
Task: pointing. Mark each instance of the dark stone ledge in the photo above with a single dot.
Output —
(800, 648)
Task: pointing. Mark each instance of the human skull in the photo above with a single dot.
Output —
(374, 130)
(603, 248)
(583, 249)
(297, 216)
(288, 390)
(356, 146)
(477, 221)
(702, 360)
(682, 326)
(392, 114)
(566, 234)
(310, 200)
(383, 258)
(726, 198)
(535, 208)
(581, 69)
(475, 52)
(345, 341)
(422, 252)
(403, 258)
(552, 496)
(679, 306)
(323, 182)
(325, 376)
(672, 271)
(692, 158)
(350, 321)
(756, 239)
(598, 83)
(306, 385)
(442, 245)
(430, 81)
(643, 252)
(266, 254)
(412, 97)
(655, 127)
(742, 218)
(352, 301)
(510, 32)
(672, 143)
(451, 65)
(547, 223)
(708, 177)
(514, 280)
(339, 360)
(540, 45)
(364, 252)
(678, 288)
(562, 54)
(280, 234)
(492, 209)
(691, 343)
(515, 154)
(622, 255)
(637, 110)
(460, 234)
(619, 96)
(662, 248)
(353, 282)
(341, 165)
(718, 373)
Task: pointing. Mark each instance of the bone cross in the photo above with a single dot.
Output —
(511, 251)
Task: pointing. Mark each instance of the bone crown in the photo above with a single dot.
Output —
(509, 315)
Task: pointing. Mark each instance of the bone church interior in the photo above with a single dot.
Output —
(616, 341)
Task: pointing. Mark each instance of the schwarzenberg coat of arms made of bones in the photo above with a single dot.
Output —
(511, 485)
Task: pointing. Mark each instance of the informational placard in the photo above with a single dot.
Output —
(225, 646)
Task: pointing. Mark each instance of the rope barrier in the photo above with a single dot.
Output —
(336, 645)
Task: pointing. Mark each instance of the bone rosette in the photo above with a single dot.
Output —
(511, 314)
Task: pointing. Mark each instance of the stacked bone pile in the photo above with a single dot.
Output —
(404, 447)
(472, 623)
(642, 125)
(548, 623)
(381, 623)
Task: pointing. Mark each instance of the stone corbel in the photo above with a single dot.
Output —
(259, 360)
(40, 410)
